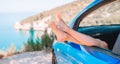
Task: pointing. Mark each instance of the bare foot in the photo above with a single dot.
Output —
(60, 22)
(102, 44)
(61, 36)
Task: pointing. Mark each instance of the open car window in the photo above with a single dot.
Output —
(103, 23)
(106, 15)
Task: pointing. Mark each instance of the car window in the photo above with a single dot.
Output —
(108, 14)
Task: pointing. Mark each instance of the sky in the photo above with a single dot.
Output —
(30, 5)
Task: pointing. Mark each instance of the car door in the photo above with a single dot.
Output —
(96, 26)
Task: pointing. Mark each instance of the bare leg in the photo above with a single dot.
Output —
(82, 38)
(62, 36)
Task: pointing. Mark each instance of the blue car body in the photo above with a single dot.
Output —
(71, 53)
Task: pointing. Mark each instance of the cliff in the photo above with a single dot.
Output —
(107, 14)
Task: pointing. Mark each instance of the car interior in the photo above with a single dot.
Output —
(107, 33)
(117, 45)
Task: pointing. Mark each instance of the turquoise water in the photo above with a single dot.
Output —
(8, 35)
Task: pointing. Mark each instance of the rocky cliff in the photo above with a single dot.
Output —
(110, 12)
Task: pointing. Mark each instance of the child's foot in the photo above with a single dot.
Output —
(102, 44)
(60, 23)
(61, 36)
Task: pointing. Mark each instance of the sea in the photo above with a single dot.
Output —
(8, 35)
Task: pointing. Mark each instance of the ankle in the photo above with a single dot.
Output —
(66, 29)
(63, 38)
